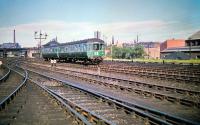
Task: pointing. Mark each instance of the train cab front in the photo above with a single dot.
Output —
(98, 52)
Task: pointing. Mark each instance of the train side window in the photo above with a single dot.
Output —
(70, 48)
(81, 47)
(84, 47)
(78, 48)
(88, 47)
(62, 49)
(66, 49)
(73, 48)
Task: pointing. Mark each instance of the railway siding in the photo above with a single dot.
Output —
(91, 106)
(90, 90)
(172, 94)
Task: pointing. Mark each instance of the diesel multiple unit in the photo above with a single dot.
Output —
(92, 50)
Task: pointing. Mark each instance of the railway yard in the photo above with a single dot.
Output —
(111, 93)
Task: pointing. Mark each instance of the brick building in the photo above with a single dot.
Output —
(172, 43)
(152, 49)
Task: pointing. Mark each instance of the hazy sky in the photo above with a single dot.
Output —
(152, 20)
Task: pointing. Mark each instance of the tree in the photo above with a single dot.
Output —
(128, 52)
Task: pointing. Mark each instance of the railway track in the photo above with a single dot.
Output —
(172, 94)
(185, 70)
(9, 82)
(164, 74)
(187, 74)
(173, 68)
(31, 103)
(154, 113)
(5, 72)
(91, 104)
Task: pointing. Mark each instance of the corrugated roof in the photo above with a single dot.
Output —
(195, 36)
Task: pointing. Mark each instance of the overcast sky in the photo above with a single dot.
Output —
(152, 20)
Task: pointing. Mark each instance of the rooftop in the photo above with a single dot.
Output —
(194, 36)
(10, 45)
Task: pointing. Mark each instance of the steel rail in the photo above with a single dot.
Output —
(98, 94)
(7, 100)
(165, 88)
(155, 75)
(158, 87)
(166, 116)
(11, 96)
(145, 92)
(100, 120)
(58, 98)
(3, 78)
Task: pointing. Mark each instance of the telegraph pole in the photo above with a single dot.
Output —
(113, 42)
(41, 36)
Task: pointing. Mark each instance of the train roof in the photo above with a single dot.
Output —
(91, 40)
(55, 43)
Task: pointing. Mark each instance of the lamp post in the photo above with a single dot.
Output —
(41, 36)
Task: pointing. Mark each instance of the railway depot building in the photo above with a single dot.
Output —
(182, 49)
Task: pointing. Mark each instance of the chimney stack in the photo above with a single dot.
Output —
(14, 36)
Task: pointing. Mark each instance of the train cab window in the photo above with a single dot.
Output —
(101, 47)
(95, 46)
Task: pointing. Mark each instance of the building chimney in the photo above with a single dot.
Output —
(113, 40)
(14, 36)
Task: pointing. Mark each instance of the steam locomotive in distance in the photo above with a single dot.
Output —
(87, 50)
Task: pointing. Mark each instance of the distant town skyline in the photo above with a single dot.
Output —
(153, 20)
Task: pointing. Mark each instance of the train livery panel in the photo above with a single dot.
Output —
(92, 50)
